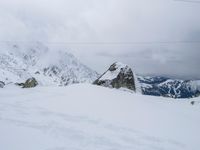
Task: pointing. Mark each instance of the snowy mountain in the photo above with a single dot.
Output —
(161, 86)
(86, 116)
(49, 66)
(18, 62)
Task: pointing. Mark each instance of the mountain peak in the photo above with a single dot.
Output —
(49, 66)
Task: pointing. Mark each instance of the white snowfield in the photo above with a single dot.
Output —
(88, 117)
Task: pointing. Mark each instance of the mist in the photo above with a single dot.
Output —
(154, 37)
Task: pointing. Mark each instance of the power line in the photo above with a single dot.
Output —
(188, 1)
(103, 43)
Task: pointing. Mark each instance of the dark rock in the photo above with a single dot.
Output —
(30, 83)
(2, 84)
(117, 76)
(192, 102)
(20, 84)
(37, 72)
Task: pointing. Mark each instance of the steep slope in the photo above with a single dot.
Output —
(97, 118)
(175, 88)
(19, 62)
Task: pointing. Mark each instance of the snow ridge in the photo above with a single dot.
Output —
(19, 62)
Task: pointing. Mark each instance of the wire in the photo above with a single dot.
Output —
(104, 43)
(189, 1)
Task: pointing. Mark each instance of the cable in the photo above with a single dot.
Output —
(189, 1)
(104, 43)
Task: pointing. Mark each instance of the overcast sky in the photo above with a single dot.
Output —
(148, 35)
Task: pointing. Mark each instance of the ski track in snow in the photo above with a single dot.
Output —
(81, 131)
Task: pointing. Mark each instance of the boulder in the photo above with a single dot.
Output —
(2, 84)
(19, 84)
(117, 76)
(192, 102)
(30, 83)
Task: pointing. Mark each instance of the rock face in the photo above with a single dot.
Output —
(30, 83)
(2, 84)
(117, 76)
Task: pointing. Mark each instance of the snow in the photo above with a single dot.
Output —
(89, 117)
(110, 75)
(18, 62)
(195, 85)
(144, 85)
(138, 85)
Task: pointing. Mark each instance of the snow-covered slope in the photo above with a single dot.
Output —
(175, 88)
(19, 62)
(97, 118)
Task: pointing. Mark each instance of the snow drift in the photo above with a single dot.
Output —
(88, 117)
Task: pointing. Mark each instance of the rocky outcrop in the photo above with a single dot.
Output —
(30, 83)
(2, 84)
(117, 76)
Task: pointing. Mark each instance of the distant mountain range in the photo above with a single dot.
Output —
(18, 62)
(175, 88)
(48, 66)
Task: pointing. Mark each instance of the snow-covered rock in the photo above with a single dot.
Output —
(117, 76)
(30, 83)
(49, 66)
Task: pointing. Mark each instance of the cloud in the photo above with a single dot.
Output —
(147, 24)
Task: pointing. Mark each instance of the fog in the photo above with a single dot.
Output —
(156, 37)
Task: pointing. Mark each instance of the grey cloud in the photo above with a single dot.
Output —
(147, 22)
